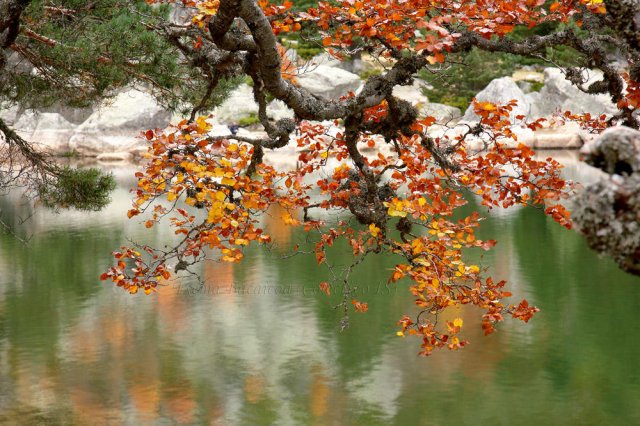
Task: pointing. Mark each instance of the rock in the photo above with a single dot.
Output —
(52, 132)
(524, 74)
(10, 115)
(240, 104)
(441, 112)
(127, 111)
(500, 91)
(608, 211)
(525, 86)
(329, 82)
(534, 99)
(616, 151)
(115, 156)
(26, 123)
(324, 59)
(277, 110)
(559, 94)
(413, 94)
(567, 136)
(72, 115)
(49, 131)
(116, 123)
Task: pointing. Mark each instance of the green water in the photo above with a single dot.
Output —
(259, 345)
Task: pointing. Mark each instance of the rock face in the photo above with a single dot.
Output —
(329, 82)
(500, 91)
(608, 212)
(114, 125)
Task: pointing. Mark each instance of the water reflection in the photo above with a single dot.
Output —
(258, 345)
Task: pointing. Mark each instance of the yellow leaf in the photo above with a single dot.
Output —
(374, 230)
(457, 322)
(228, 181)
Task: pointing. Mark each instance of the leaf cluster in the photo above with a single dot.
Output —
(82, 189)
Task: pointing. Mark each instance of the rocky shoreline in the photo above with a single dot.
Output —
(111, 130)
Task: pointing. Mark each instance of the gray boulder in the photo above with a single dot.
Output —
(608, 211)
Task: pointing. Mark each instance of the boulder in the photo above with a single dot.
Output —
(329, 82)
(10, 114)
(49, 131)
(500, 91)
(52, 132)
(110, 157)
(413, 94)
(73, 115)
(240, 104)
(277, 110)
(559, 94)
(615, 151)
(565, 136)
(116, 123)
(326, 60)
(441, 112)
(26, 123)
(608, 211)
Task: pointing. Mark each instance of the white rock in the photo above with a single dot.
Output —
(567, 136)
(412, 94)
(26, 123)
(241, 104)
(559, 94)
(441, 112)
(329, 82)
(238, 105)
(115, 156)
(52, 132)
(277, 110)
(10, 114)
(324, 59)
(116, 124)
(500, 91)
(93, 145)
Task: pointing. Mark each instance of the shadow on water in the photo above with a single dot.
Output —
(259, 343)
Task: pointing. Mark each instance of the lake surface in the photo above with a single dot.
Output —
(260, 345)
